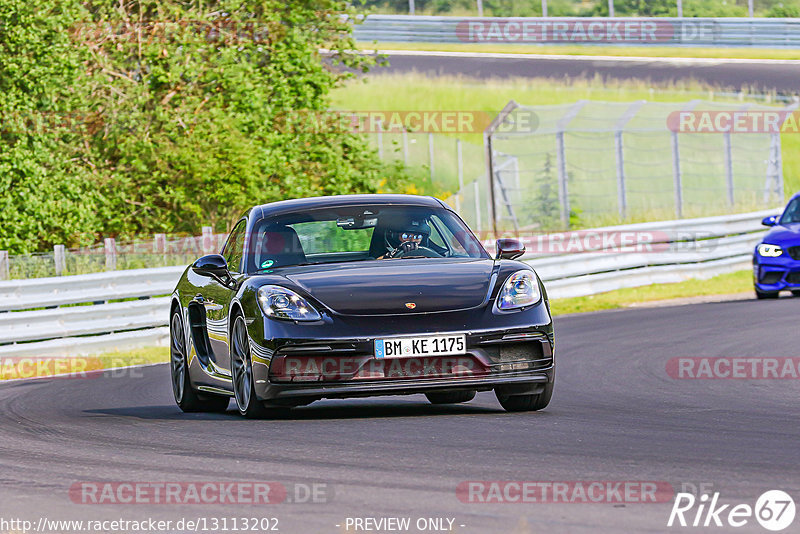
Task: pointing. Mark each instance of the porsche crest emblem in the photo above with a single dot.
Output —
(411, 305)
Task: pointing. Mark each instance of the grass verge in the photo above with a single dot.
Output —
(724, 284)
(593, 50)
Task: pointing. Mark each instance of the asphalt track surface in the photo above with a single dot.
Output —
(616, 415)
(753, 75)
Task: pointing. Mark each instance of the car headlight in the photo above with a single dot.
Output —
(281, 303)
(519, 290)
(769, 251)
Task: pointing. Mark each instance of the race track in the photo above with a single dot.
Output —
(616, 415)
(754, 75)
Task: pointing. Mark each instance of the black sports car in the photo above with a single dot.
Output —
(353, 296)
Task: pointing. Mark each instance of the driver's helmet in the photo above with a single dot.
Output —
(413, 231)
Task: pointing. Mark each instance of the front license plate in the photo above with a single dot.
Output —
(413, 347)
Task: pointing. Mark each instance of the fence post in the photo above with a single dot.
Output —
(561, 160)
(728, 167)
(622, 198)
(430, 153)
(622, 193)
(110, 250)
(380, 139)
(60, 259)
(676, 175)
(544, 8)
(680, 9)
(563, 191)
(489, 158)
(774, 179)
(460, 175)
(4, 267)
(676, 165)
(208, 240)
(610, 8)
(478, 228)
(160, 246)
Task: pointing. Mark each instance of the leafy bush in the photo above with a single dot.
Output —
(162, 115)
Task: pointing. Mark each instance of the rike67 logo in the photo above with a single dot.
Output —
(774, 510)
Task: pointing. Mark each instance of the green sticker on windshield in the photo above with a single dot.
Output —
(266, 264)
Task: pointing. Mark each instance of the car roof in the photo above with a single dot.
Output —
(301, 204)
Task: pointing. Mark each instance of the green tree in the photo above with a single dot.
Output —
(162, 115)
(45, 195)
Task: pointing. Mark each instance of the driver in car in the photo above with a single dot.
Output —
(407, 240)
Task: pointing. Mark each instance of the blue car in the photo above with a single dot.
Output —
(776, 260)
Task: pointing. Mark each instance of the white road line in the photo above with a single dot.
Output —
(629, 59)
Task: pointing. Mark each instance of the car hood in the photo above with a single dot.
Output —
(784, 234)
(393, 287)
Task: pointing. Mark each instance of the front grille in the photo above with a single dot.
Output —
(793, 278)
(519, 355)
(772, 277)
(794, 252)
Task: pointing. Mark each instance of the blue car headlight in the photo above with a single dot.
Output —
(769, 251)
(281, 303)
(519, 290)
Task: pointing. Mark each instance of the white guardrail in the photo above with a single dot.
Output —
(71, 315)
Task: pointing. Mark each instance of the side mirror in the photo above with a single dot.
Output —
(509, 249)
(772, 220)
(213, 265)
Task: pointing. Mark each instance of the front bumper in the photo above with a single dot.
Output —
(518, 353)
(531, 382)
(776, 274)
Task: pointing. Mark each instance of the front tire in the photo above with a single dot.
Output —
(526, 403)
(242, 373)
(187, 399)
(450, 397)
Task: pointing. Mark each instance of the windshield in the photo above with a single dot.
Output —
(792, 212)
(359, 233)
